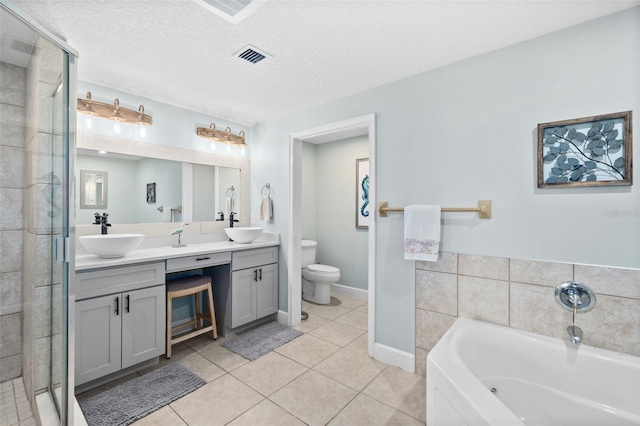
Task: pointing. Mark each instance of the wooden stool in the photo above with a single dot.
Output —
(192, 285)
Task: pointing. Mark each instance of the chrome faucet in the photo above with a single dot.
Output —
(576, 297)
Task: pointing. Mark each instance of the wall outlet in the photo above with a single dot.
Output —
(253, 219)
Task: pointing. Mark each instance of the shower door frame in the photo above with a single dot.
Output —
(64, 248)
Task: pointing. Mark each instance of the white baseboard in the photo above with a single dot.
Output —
(395, 357)
(283, 317)
(356, 293)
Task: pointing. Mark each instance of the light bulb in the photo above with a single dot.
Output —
(116, 126)
(213, 146)
(242, 151)
(143, 131)
(228, 148)
(88, 122)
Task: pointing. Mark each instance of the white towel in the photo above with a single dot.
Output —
(228, 205)
(265, 208)
(421, 232)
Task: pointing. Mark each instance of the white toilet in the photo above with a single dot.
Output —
(316, 279)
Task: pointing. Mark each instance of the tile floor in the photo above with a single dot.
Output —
(15, 409)
(323, 377)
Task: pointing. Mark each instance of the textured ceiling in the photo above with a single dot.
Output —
(175, 51)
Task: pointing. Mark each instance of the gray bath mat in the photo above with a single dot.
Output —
(139, 397)
(262, 340)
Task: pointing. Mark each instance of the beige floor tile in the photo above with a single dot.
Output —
(269, 373)
(365, 411)
(360, 345)
(163, 417)
(202, 367)
(203, 341)
(311, 323)
(306, 305)
(217, 402)
(178, 352)
(364, 308)
(345, 301)
(223, 357)
(356, 319)
(350, 368)
(400, 390)
(337, 333)
(266, 414)
(307, 350)
(313, 398)
(328, 311)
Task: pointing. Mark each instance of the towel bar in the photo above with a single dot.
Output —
(483, 209)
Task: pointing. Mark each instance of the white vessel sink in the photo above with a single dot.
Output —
(243, 234)
(112, 245)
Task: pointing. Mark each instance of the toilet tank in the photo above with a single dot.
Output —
(308, 253)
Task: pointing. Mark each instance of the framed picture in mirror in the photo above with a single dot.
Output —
(151, 192)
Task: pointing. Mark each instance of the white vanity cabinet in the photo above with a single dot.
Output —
(254, 285)
(120, 319)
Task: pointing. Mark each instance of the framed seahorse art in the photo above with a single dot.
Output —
(362, 193)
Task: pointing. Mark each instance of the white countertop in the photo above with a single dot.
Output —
(90, 261)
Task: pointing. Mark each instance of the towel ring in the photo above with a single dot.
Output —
(232, 189)
(268, 187)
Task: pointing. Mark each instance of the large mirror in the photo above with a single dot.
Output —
(181, 191)
(93, 189)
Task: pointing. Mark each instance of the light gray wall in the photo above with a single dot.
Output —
(466, 132)
(340, 244)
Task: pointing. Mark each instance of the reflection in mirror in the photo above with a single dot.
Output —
(215, 189)
(129, 179)
(93, 189)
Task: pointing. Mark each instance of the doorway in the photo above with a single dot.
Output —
(358, 126)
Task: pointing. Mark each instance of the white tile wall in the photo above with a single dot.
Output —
(521, 294)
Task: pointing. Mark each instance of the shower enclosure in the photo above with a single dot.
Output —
(37, 142)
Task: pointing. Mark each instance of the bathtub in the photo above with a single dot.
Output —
(486, 374)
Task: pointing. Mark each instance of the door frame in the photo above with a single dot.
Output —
(363, 125)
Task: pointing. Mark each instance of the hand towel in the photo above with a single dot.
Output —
(422, 232)
(265, 208)
(228, 206)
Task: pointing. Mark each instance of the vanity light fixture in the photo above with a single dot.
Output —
(219, 136)
(113, 112)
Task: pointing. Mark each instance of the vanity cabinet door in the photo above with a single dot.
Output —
(97, 337)
(243, 297)
(143, 325)
(267, 290)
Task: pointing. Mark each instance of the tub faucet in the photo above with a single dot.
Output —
(575, 333)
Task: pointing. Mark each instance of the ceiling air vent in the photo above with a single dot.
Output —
(251, 54)
(233, 11)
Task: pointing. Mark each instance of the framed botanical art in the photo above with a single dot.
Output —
(362, 193)
(589, 151)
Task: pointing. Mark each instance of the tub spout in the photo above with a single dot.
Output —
(575, 333)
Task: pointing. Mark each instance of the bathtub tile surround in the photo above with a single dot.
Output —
(520, 294)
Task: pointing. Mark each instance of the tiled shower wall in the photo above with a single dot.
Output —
(41, 216)
(521, 294)
(12, 118)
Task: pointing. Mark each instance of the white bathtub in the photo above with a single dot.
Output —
(538, 380)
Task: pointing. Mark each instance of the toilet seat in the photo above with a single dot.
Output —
(318, 268)
(321, 273)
